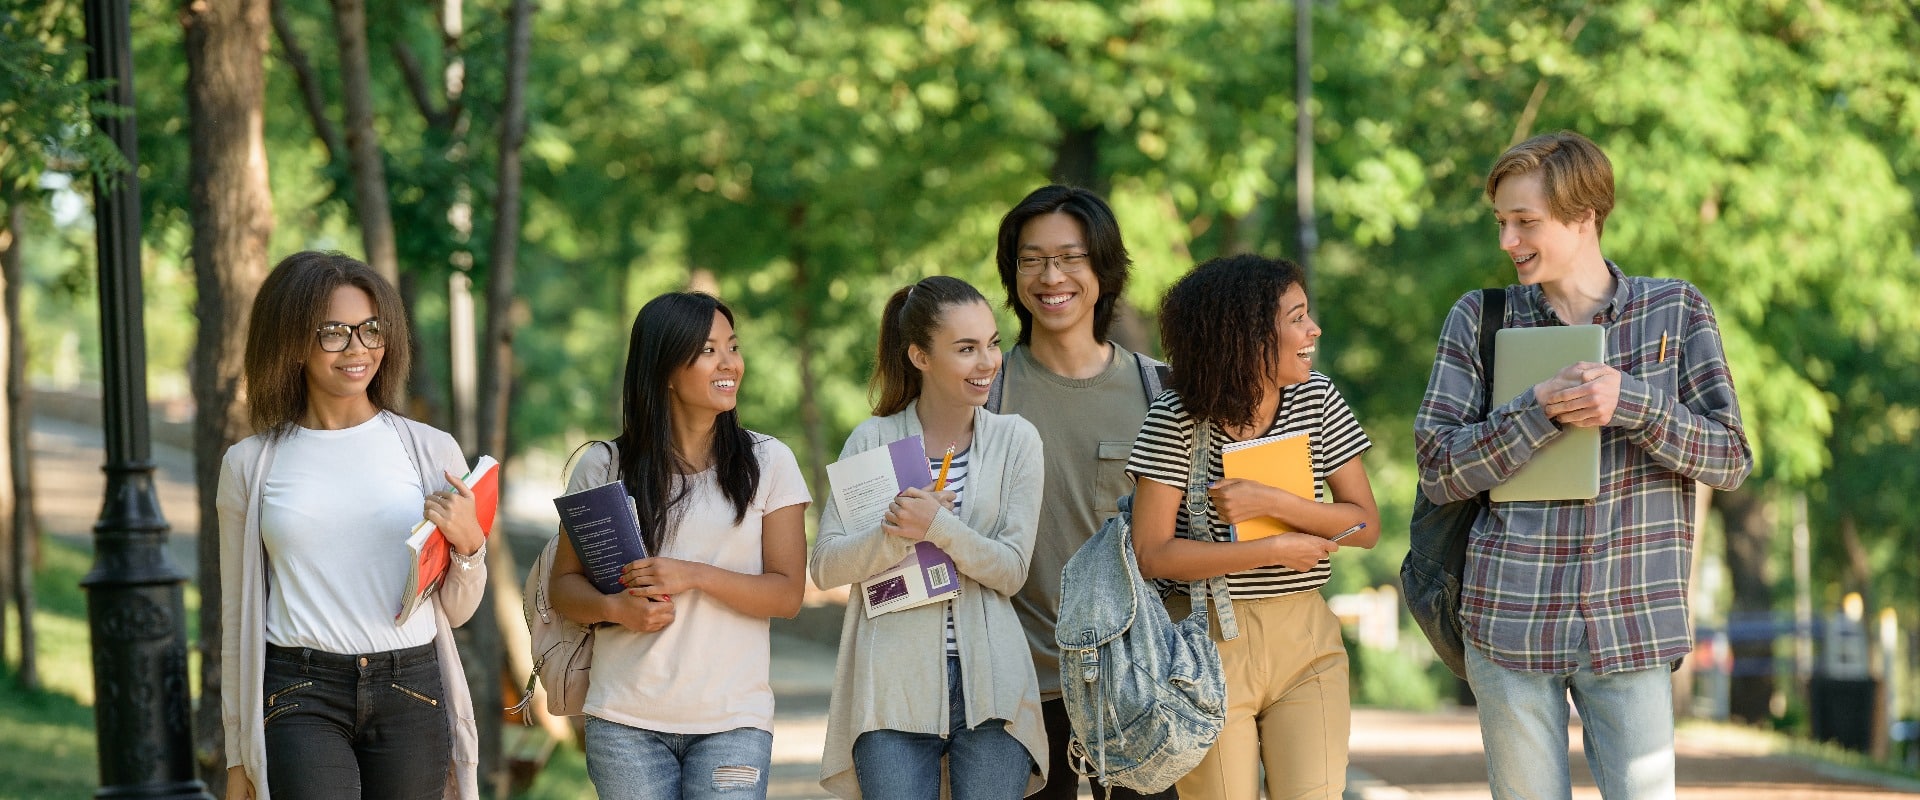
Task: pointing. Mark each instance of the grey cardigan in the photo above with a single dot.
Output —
(243, 607)
(891, 671)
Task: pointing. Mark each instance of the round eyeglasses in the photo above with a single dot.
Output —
(335, 336)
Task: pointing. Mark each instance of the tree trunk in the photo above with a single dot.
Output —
(1076, 161)
(16, 536)
(25, 528)
(231, 209)
(1748, 518)
(812, 424)
(363, 143)
(8, 430)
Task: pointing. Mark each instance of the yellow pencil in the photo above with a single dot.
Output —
(1663, 347)
(945, 462)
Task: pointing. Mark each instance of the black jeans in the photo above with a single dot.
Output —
(1062, 784)
(359, 726)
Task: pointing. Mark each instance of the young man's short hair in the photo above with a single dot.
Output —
(1574, 173)
(1104, 246)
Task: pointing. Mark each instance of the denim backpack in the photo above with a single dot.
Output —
(1437, 534)
(1145, 694)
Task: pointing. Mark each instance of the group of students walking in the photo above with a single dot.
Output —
(327, 696)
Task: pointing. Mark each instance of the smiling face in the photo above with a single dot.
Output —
(1544, 249)
(710, 386)
(1299, 337)
(959, 365)
(344, 375)
(1062, 303)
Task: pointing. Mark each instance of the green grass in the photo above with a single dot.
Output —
(47, 734)
(564, 778)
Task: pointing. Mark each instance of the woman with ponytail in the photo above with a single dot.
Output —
(947, 680)
(680, 705)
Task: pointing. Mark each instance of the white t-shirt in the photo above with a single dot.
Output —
(334, 518)
(706, 672)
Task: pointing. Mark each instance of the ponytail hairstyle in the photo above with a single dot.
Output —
(912, 315)
(668, 334)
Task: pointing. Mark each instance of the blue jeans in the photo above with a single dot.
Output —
(1626, 723)
(984, 762)
(627, 763)
(368, 725)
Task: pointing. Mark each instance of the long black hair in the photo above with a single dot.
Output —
(668, 334)
(1217, 325)
(913, 313)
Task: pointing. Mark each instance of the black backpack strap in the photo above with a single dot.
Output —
(1493, 317)
(999, 387)
(1153, 375)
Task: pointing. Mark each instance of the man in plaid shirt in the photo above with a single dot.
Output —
(1586, 598)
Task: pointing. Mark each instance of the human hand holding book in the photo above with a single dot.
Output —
(1253, 467)
(460, 516)
(604, 529)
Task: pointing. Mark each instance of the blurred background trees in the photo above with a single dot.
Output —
(803, 160)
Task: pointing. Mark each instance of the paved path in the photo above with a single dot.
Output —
(1395, 755)
(1438, 757)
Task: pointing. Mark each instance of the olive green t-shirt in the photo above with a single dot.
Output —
(1087, 427)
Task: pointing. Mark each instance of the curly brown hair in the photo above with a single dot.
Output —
(1217, 326)
(291, 304)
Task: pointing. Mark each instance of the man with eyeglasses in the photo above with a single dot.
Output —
(1064, 267)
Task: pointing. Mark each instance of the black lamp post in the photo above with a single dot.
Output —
(134, 608)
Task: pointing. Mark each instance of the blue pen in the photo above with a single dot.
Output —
(1348, 532)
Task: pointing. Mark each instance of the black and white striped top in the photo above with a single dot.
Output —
(956, 483)
(1162, 453)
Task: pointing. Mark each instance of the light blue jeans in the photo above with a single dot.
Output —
(984, 762)
(627, 763)
(1626, 721)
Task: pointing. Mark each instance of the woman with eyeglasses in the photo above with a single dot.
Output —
(949, 681)
(326, 694)
(680, 705)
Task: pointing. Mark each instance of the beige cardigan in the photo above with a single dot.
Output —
(243, 607)
(891, 671)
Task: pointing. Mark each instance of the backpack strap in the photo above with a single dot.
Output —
(1153, 375)
(1153, 379)
(998, 390)
(1196, 503)
(1493, 316)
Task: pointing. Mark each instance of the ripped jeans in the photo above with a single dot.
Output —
(629, 763)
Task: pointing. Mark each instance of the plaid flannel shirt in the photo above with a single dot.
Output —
(1554, 584)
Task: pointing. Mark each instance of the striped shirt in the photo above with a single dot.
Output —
(1552, 585)
(1163, 451)
(956, 483)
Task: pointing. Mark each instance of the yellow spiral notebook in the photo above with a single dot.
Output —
(1282, 461)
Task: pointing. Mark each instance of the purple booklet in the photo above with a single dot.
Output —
(863, 485)
(926, 575)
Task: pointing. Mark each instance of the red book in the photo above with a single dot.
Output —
(431, 553)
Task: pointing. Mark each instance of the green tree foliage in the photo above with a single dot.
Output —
(809, 158)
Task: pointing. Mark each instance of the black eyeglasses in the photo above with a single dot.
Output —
(1067, 262)
(335, 336)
